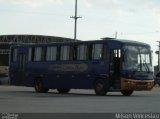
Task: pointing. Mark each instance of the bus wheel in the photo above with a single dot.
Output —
(63, 90)
(127, 92)
(100, 87)
(39, 87)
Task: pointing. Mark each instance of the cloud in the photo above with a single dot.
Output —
(88, 4)
(35, 3)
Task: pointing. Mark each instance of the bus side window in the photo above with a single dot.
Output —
(65, 51)
(82, 52)
(14, 55)
(51, 54)
(97, 51)
(38, 54)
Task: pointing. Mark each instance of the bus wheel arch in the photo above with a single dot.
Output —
(127, 92)
(39, 85)
(100, 86)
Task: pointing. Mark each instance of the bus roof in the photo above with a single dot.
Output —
(123, 41)
(107, 40)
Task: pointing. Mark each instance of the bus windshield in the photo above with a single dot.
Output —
(137, 58)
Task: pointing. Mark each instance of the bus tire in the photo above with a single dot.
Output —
(127, 92)
(39, 86)
(63, 90)
(100, 87)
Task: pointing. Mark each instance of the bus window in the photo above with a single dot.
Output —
(82, 52)
(117, 53)
(64, 53)
(97, 51)
(39, 54)
(14, 55)
(51, 53)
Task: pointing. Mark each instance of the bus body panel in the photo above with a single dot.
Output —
(74, 79)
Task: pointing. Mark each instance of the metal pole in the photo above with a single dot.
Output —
(75, 29)
(75, 18)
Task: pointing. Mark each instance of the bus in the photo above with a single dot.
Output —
(103, 65)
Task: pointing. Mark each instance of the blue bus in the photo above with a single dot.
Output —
(103, 65)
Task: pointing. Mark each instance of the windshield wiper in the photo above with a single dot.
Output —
(146, 66)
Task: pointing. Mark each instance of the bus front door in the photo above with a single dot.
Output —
(115, 59)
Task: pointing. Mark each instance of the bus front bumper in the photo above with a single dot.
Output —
(130, 84)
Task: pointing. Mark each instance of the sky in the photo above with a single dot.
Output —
(137, 20)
